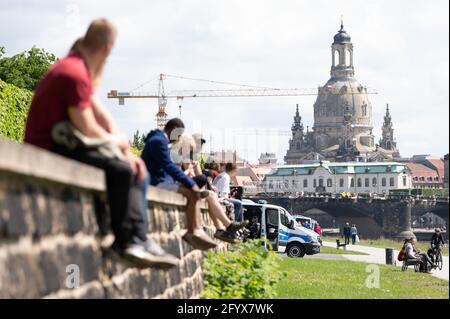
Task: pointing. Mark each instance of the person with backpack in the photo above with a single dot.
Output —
(411, 253)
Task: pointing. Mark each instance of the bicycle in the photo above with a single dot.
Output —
(437, 257)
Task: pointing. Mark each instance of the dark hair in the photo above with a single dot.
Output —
(207, 173)
(172, 125)
(230, 167)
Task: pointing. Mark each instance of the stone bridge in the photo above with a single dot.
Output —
(374, 218)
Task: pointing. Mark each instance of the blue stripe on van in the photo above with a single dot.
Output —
(284, 235)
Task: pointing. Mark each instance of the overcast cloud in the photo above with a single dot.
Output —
(401, 49)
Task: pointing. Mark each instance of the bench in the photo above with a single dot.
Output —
(411, 262)
(338, 244)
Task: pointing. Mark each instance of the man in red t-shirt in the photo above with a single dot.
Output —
(66, 94)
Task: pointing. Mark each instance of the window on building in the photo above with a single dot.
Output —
(391, 181)
(374, 182)
(270, 185)
(404, 181)
(422, 179)
(383, 181)
(305, 183)
(329, 183)
(436, 179)
(320, 182)
(352, 182)
(315, 183)
(366, 182)
(286, 184)
(430, 179)
(364, 110)
(341, 182)
(416, 178)
(294, 183)
(336, 58)
(359, 183)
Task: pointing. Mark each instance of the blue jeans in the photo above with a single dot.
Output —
(237, 209)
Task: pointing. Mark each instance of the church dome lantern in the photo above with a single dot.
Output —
(342, 36)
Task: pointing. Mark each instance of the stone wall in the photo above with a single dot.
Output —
(49, 208)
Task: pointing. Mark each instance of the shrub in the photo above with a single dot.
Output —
(14, 104)
(245, 271)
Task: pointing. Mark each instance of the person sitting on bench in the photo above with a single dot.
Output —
(411, 255)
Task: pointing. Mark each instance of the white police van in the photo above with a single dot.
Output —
(283, 233)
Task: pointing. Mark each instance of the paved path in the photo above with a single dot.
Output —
(378, 256)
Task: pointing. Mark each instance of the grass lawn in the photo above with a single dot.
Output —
(339, 279)
(386, 243)
(331, 250)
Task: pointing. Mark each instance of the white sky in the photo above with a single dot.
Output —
(401, 48)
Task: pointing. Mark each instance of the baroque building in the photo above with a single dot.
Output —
(333, 177)
(343, 126)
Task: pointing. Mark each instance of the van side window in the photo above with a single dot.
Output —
(272, 217)
(284, 219)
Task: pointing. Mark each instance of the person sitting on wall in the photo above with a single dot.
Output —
(167, 175)
(65, 118)
(183, 152)
(222, 182)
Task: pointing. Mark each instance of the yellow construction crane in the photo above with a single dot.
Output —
(249, 91)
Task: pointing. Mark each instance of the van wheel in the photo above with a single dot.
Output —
(295, 250)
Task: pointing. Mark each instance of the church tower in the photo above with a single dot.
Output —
(342, 55)
(297, 132)
(298, 144)
(387, 141)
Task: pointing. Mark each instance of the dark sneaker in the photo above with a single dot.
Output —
(235, 226)
(225, 236)
(187, 237)
(200, 240)
(149, 254)
(203, 241)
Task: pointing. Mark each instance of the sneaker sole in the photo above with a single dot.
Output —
(225, 239)
(203, 244)
(154, 262)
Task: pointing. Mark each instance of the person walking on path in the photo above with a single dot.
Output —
(353, 233)
(347, 233)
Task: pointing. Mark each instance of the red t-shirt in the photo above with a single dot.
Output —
(67, 83)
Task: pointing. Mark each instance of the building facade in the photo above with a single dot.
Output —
(426, 171)
(354, 177)
(446, 170)
(343, 129)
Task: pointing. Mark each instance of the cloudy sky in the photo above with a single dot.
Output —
(401, 49)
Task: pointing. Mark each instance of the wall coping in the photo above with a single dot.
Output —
(28, 160)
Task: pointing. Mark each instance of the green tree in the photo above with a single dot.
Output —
(14, 104)
(25, 69)
(138, 141)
